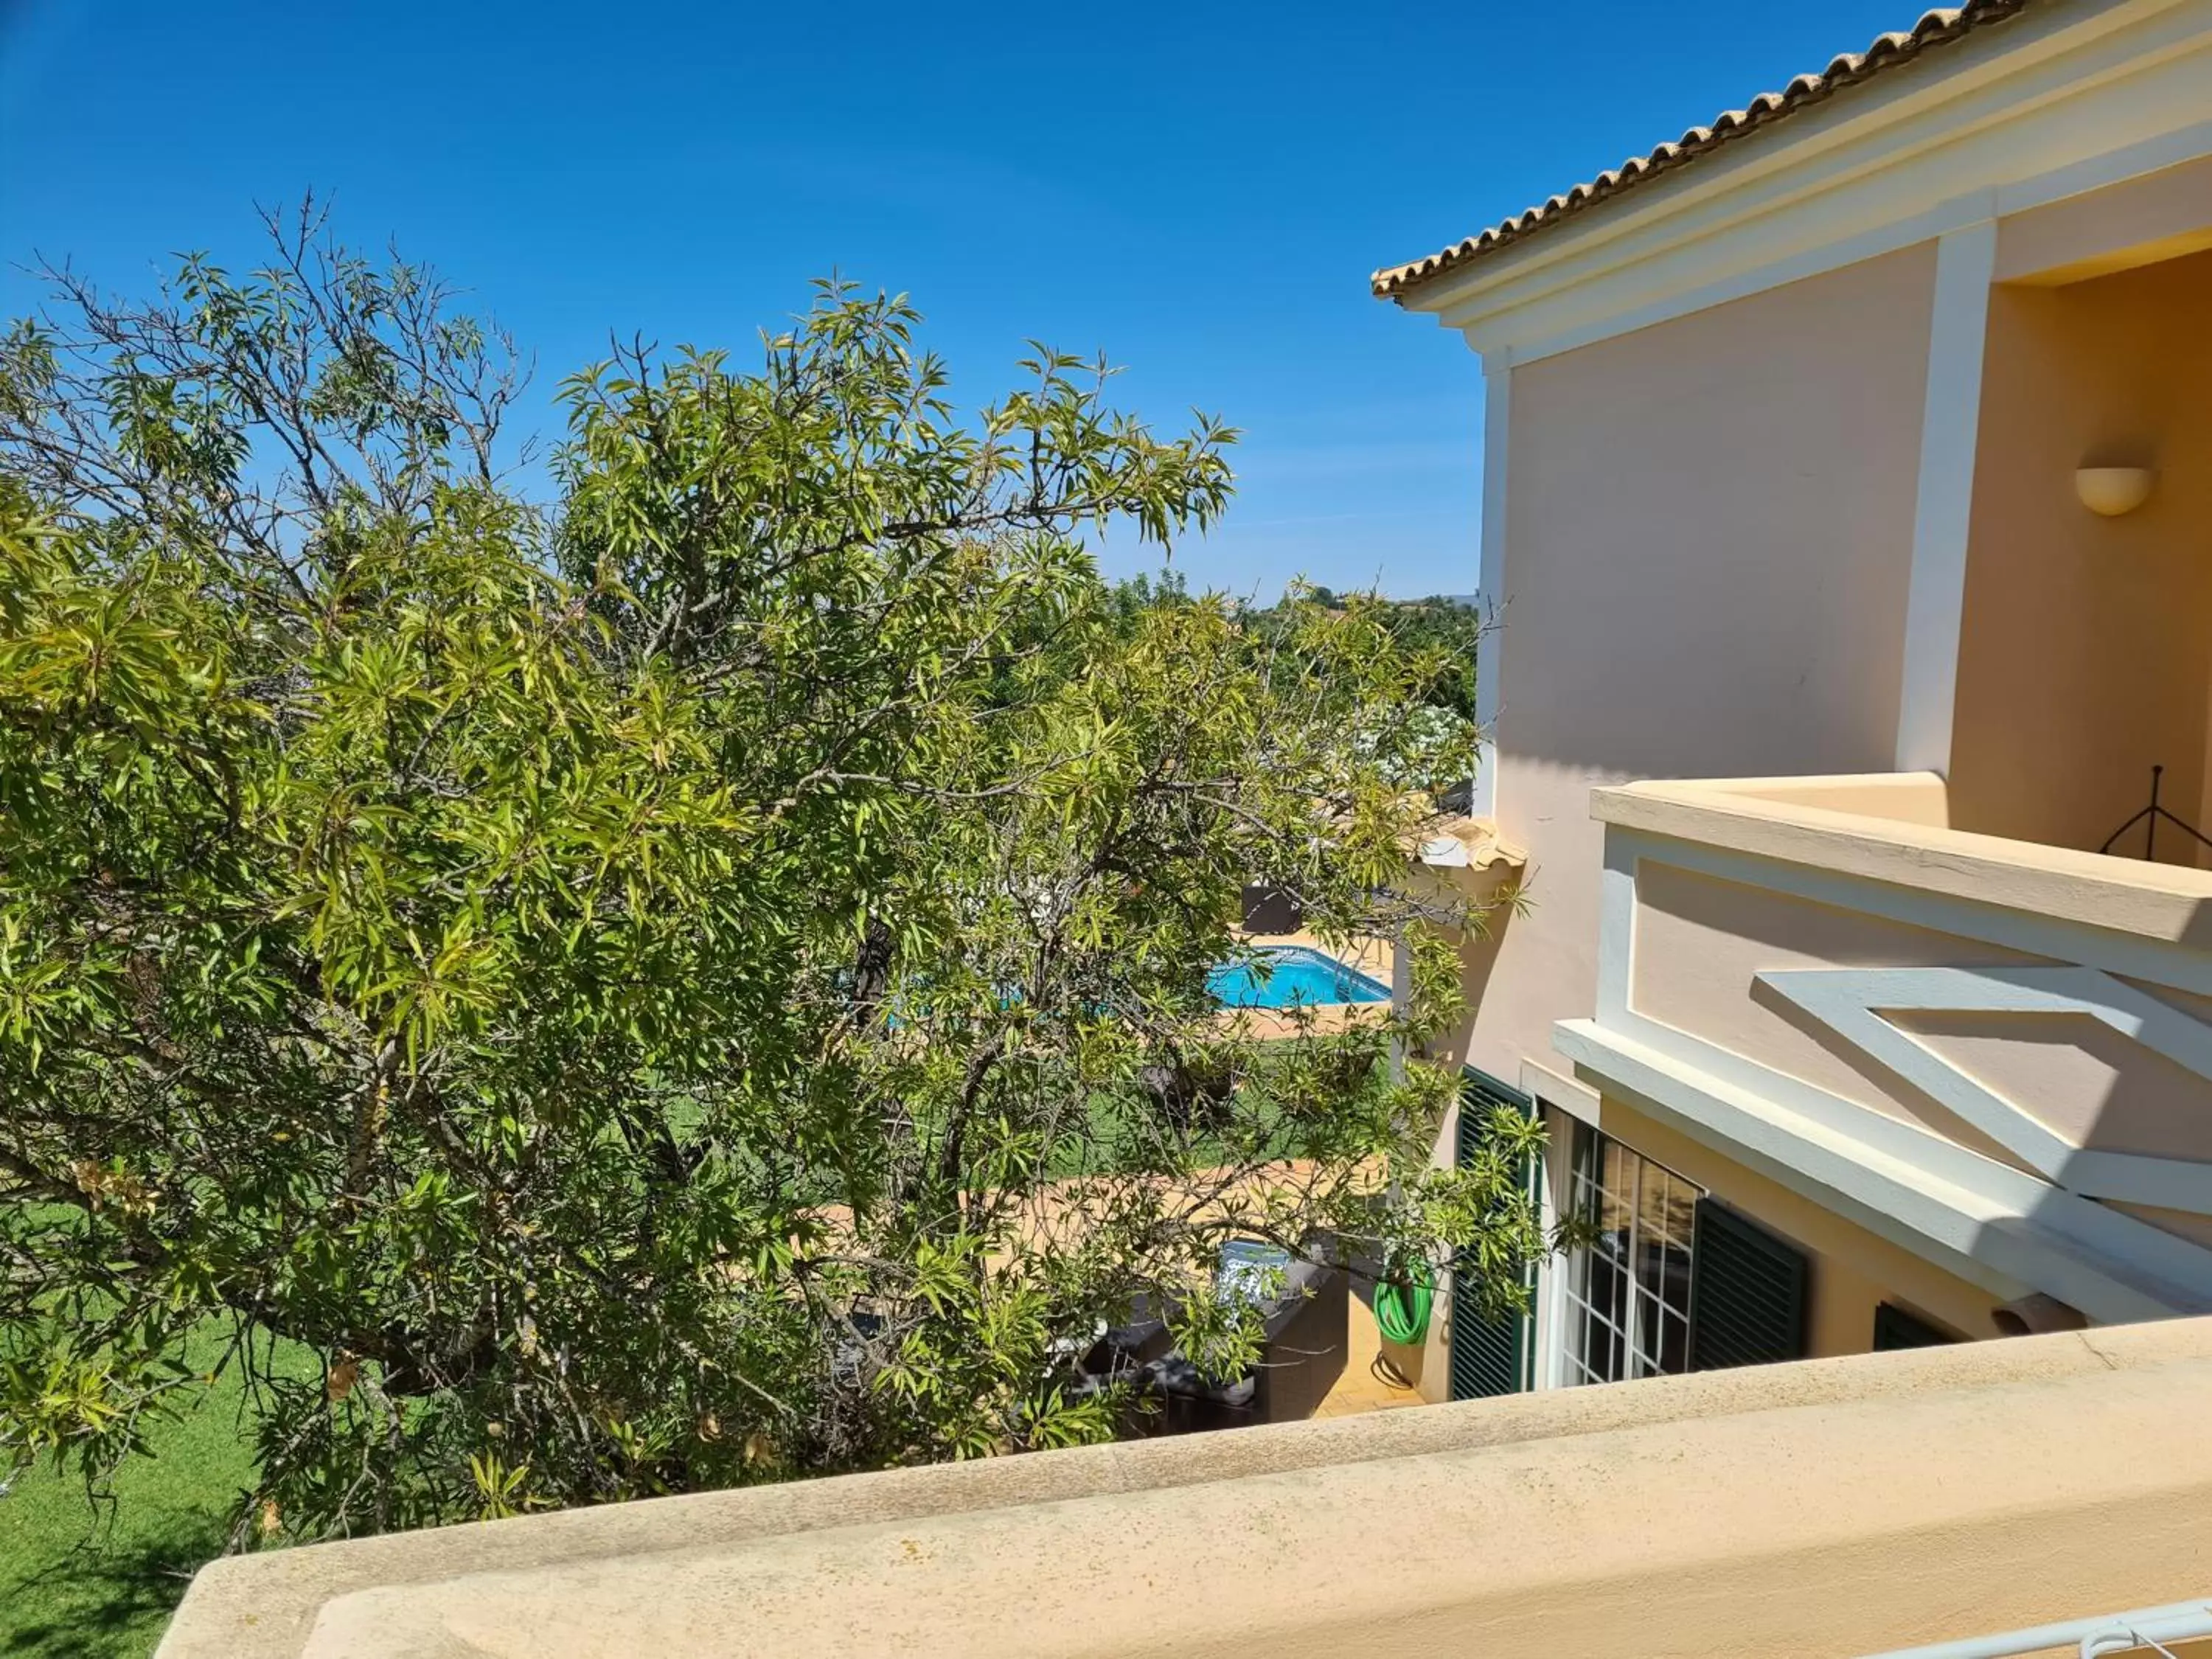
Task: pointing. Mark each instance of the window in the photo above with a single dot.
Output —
(1626, 1300)
(1895, 1328)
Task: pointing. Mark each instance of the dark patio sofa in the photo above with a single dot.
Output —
(1302, 1356)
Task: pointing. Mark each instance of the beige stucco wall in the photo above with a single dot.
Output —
(1834, 1507)
(1709, 537)
(1792, 885)
(1853, 1270)
(1701, 942)
(2086, 650)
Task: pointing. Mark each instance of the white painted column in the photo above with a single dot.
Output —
(1616, 927)
(1490, 582)
(1550, 1367)
(1965, 260)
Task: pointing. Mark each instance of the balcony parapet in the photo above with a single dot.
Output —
(1895, 828)
(1833, 1507)
(1995, 1053)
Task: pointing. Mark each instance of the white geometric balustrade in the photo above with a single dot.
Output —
(1853, 1001)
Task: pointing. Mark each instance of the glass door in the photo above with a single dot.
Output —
(1627, 1298)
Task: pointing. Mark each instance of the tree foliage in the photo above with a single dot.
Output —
(1441, 629)
(700, 981)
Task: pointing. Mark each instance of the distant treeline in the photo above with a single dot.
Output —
(1448, 621)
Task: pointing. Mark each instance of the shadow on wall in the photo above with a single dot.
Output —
(1478, 960)
(2094, 1087)
(1931, 1114)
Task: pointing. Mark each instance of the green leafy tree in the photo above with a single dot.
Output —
(1452, 628)
(1440, 629)
(697, 982)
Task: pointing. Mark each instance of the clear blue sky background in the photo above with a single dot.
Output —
(1201, 190)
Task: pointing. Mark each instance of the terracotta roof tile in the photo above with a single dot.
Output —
(1935, 29)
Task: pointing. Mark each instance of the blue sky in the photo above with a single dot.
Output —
(1199, 190)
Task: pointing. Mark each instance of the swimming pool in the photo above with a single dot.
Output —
(1284, 975)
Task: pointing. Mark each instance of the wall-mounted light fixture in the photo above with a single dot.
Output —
(2109, 491)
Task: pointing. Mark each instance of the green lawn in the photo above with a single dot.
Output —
(75, 1583)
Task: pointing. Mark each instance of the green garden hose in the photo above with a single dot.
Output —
(1402, 1304)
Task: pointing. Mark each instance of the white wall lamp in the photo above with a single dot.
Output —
(2109, 491)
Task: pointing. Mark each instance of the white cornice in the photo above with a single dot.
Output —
(2061, 100)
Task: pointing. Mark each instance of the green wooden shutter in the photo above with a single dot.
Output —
(1490, 1354)
(1747, 1293)
(1894, 1328)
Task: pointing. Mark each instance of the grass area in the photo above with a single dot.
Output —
(101, 1585)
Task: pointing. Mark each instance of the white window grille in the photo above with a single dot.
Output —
(1627, 1295)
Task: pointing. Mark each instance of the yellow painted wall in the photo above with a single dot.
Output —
(2086, 650)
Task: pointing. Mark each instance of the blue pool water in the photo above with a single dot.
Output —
(1282, 976)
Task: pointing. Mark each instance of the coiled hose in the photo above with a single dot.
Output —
(1402, 1304)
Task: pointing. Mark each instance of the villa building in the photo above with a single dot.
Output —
(1847, 528)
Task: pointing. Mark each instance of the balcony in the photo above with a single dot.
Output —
(1995, 1053)
(1833, 1507)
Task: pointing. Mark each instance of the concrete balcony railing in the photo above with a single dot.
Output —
(1834, 1507)
(1995, 1053)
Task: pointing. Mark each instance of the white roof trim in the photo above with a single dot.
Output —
(2060, 101)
